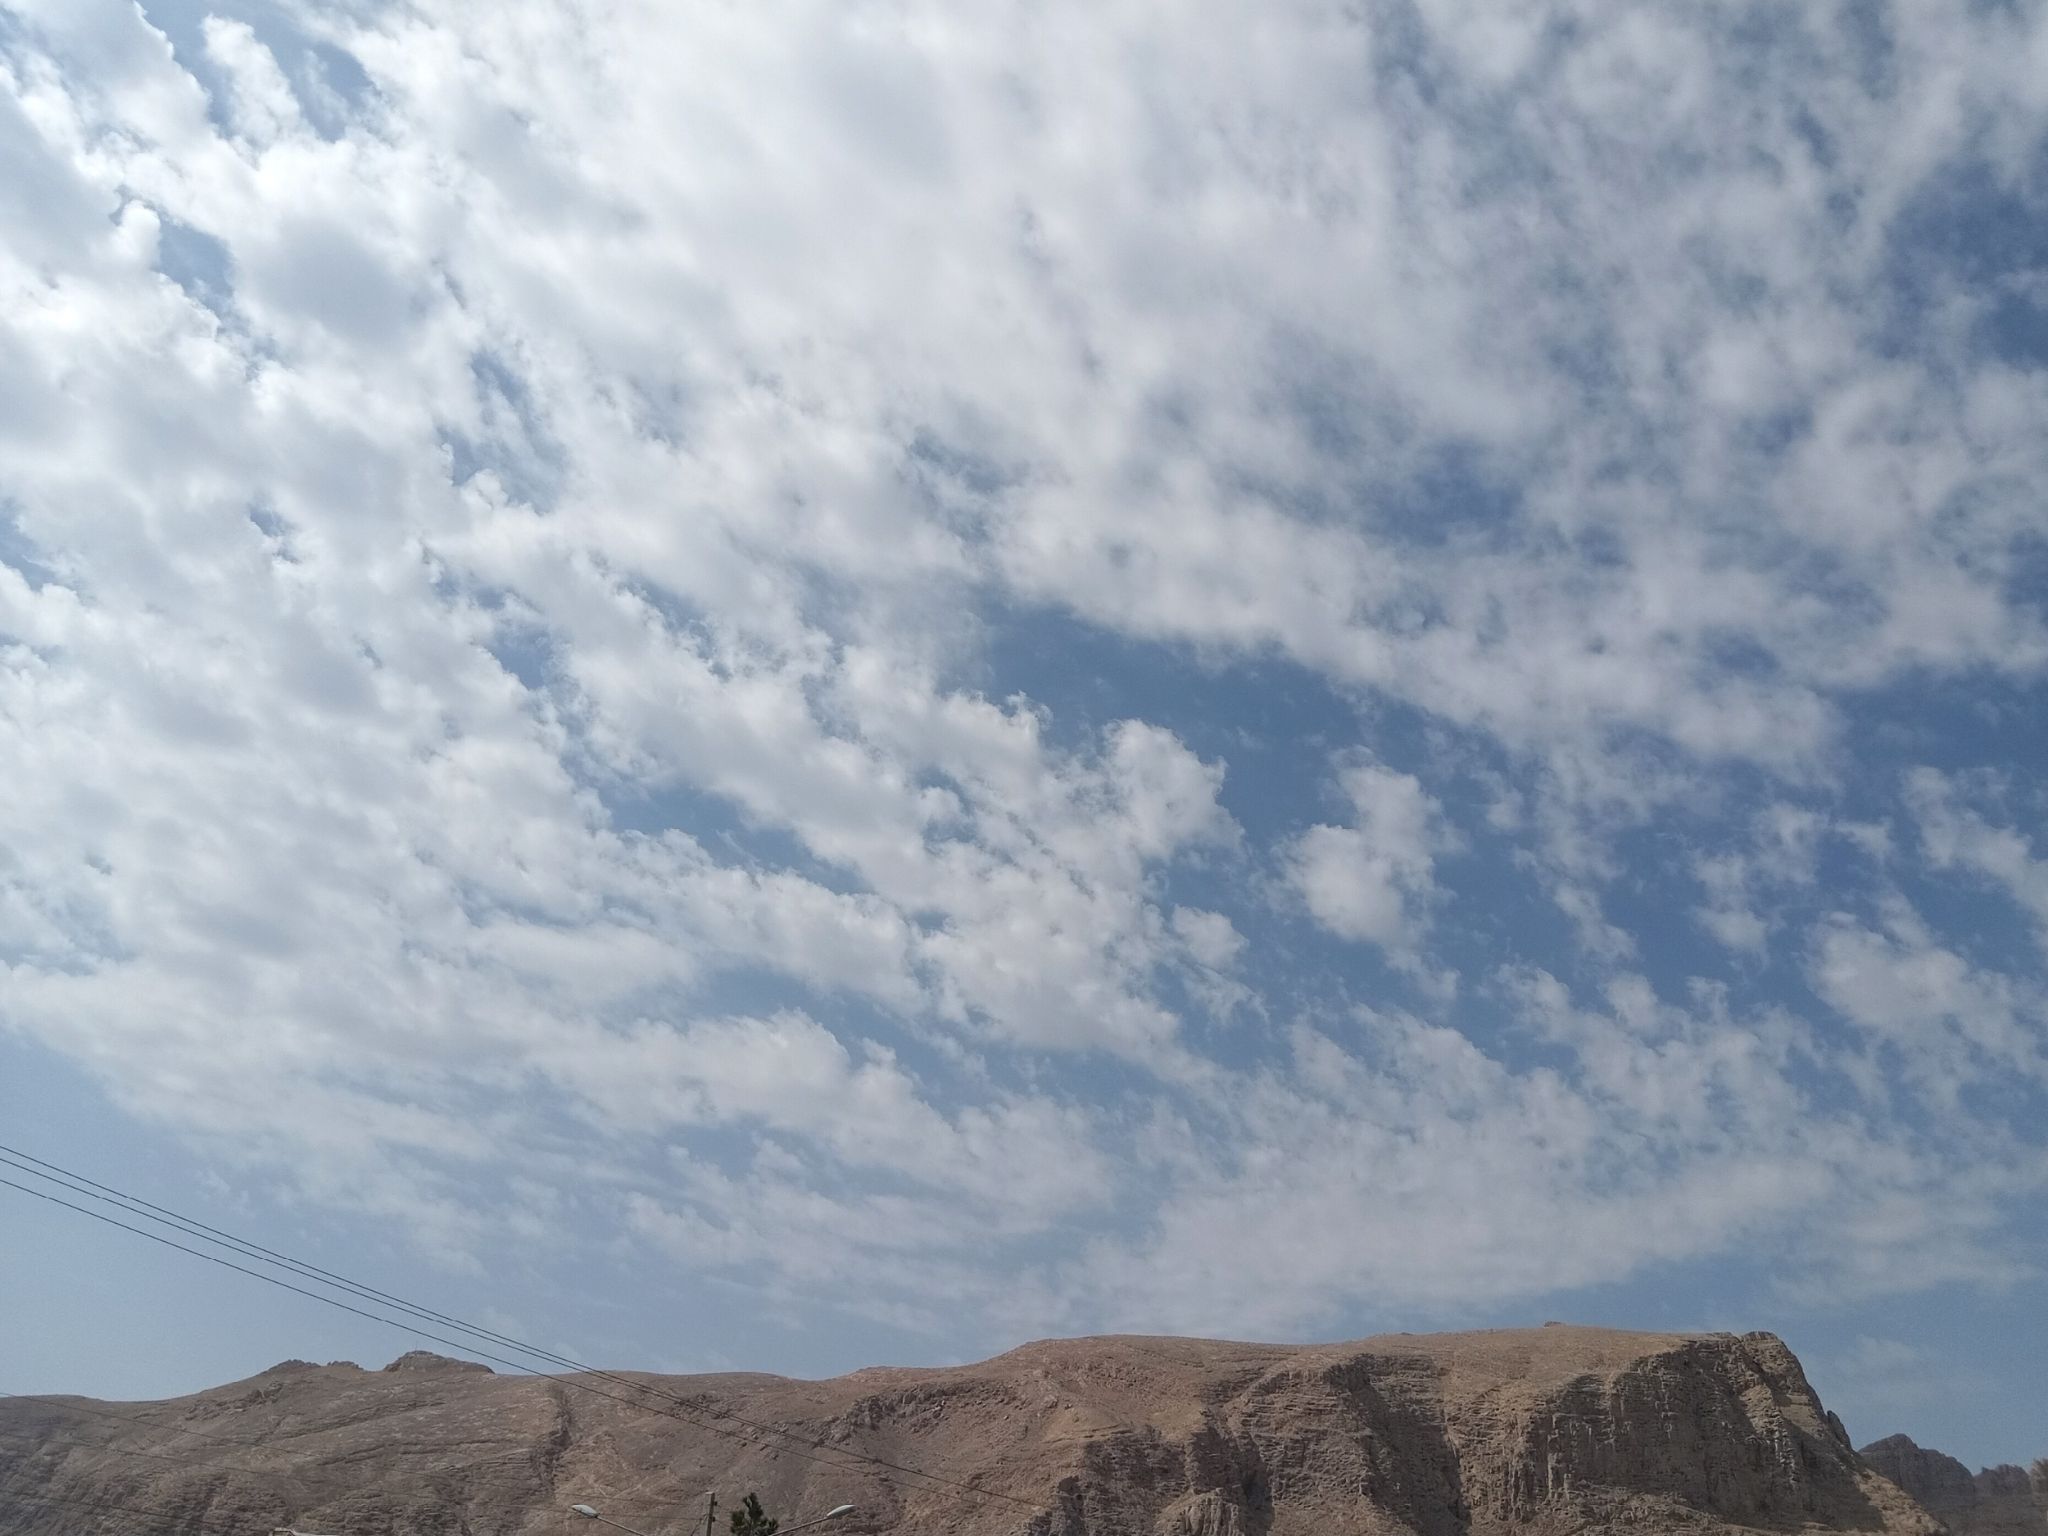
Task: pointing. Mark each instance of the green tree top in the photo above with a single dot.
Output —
(750, 1519)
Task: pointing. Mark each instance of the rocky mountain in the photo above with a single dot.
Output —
(1552, 1430)
(1998, 1501)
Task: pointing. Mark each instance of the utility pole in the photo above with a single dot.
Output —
(710, 1514)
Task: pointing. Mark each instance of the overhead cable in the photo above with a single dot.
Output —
(694, 1411)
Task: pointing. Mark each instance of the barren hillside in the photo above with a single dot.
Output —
(1998, 1501)
(1544, 1430)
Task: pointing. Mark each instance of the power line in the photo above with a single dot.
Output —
(409, 1328)
(78, 1183)
(684, 1409)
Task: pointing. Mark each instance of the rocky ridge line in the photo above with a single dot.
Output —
(1997, 1501)
(1552, 1430)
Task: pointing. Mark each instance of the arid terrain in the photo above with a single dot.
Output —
(1998, 1501)
(1557, 1429)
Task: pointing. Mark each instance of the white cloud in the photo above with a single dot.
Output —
(1400, 1168)
(1024, 1159)
(1397, 1166)
(265, 110)
(1372, 880)
(1955, 835)
(1946, 1024)
(1212, 940)
(538, 630)
(1784, 843)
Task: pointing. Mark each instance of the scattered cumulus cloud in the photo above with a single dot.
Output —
(1032, 659)
(1372, 880)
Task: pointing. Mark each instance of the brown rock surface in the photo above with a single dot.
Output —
(1564, 1430)
(1998, 1501)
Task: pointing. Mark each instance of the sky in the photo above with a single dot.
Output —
(795, 686)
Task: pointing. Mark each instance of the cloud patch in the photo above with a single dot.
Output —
(1372, 880)
(812, 622)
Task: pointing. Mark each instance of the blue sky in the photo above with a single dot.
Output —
(808, 688)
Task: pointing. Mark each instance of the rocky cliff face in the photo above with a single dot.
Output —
(1998, 1501)
(1564, 1430)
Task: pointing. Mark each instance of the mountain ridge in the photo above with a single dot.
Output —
(2002, 1500)
(1548, 1430)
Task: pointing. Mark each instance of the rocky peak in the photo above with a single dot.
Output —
(427, 1360)
(1505, 1432)
(1998, 1501)
(1930, 1476)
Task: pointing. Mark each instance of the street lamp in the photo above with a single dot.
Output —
(831, 1514)
(590, 1514)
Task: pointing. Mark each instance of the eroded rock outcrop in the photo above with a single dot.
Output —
(1998, 1501)
(1479, 1434)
